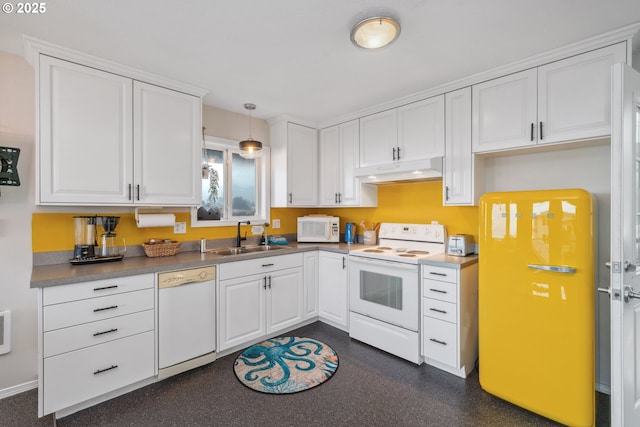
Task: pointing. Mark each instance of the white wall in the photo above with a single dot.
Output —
(588, 168)
(18, 368)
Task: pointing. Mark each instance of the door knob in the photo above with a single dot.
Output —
(630, 294)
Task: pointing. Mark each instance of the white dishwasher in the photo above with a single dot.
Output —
(186, 319)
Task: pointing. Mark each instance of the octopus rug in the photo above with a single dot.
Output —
(286, 365)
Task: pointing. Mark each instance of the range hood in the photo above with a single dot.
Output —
(412, 171)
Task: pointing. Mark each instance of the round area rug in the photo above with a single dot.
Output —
(286, 365)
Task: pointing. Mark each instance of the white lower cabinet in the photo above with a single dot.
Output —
(95, 338)
(258, 297)
(333, 289)
(450, 318)
(310, 285)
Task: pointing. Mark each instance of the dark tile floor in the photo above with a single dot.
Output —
(370, 388)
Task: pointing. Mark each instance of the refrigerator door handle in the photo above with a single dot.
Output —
(554, 268)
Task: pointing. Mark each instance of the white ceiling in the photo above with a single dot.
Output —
(295, 57)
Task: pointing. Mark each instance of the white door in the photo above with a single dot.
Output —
(329, 165)
(284, 298)
(421, 129)
(302, 165)
(379, 138)
(625, 247)
(349, 189)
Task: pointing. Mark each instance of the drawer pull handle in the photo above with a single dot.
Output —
(104, 288)
(440, 291)
(437, 341)
(105, 332)
(437, 310)
(437, 274)
(112, 307)
(267, 265)
(99, 371)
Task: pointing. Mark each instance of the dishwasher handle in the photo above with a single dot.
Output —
(185, 277)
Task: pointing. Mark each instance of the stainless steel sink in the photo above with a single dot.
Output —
(243, 250)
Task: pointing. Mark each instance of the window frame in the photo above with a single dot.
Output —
(263, 196)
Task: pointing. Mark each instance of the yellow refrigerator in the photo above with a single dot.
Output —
(536, 302)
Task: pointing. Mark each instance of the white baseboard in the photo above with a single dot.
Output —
(17, 389)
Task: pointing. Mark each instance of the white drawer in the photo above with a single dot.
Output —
(443, 291)
(248, 267)
(96, 288)
(439, 310)
(77, 312)
(88, 334)
(439, 340)
(74, 377)
(443, 274)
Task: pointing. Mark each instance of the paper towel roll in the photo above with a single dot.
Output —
(156, 220)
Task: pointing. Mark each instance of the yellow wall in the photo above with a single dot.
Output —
(412, 203)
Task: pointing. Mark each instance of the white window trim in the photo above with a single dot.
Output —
(263, 197)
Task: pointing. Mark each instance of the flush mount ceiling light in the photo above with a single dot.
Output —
(250, 148)
(376, 32)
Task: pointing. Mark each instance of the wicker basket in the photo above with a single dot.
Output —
(161, 249)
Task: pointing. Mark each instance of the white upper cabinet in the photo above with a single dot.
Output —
(462, 178)
(562, 101)
(339, 151)
(421, 129)
(378, 138)
(294, 165)
(105, 139)
(504, 112)
(411, 132)
(574, 96)
(167, 130)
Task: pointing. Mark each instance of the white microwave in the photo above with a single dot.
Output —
(320, 229)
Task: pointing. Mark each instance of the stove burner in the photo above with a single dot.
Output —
(383, 248)
(377, 251)
(408, 255)
(418, 252)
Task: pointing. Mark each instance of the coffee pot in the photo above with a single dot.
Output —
(108, 246)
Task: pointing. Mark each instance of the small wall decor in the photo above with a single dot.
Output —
(9, 166)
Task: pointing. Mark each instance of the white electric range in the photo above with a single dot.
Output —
(384, 285)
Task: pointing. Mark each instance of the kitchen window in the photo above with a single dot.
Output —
(233, 188)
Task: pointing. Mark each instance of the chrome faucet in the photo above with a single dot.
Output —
(239, 238)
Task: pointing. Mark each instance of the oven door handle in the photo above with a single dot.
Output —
(375, 261)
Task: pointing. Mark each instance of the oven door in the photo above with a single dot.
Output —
(385, 290)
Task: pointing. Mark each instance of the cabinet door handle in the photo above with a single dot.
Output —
(129, 192)
(344, 262)
(104, 288)
(434, 273)
(138, 192)
(446, 192)
(394, 153)
(398, 153)
(290, 198)
(440, 291)
(541, 131)
(99, 371)
(112, 307)
(437, 310)
(267, 265)
(264, 285)
(335, 198)
(105, 332)
(532, 127)
(269, 281)
(437, 341)
(339, 197)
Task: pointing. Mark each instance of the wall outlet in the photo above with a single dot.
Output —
(257, 229)
(180, 228)
(275, 223)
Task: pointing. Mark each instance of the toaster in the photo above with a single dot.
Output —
(460, 245)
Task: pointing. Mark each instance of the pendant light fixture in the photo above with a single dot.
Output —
(376, 32)
(250, 148)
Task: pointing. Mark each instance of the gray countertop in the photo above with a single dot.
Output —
(62, 274)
